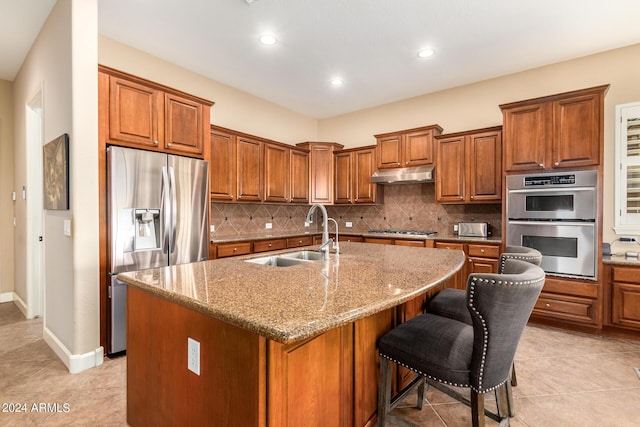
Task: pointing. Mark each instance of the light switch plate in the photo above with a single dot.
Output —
(67, 227)
(193, 355)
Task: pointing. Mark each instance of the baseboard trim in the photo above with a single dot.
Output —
(22, 306)
(75, 363)
(7, 297)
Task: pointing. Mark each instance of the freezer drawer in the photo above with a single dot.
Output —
(118, 294)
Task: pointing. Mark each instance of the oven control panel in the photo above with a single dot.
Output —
(549, 180)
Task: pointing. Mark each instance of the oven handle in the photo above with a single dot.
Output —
(552, 223)
(565, 190)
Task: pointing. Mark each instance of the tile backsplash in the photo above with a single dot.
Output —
(407, 206)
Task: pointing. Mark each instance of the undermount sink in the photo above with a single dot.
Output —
(304, 255)
(288, 259)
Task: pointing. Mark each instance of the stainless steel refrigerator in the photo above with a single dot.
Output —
(158, 215)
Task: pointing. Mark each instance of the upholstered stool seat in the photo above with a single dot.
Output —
(477, 355)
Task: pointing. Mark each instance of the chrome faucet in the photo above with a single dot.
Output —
(326, 241)
(336, 246)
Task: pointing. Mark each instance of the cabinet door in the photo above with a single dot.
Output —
(249, 171)
(135, 114)
(450, 173)
(418, 148)
(276, 173)
(576, 140)
(299, 176)
(364, 163)
(525, 137)
(484, 167)
(459, 280)
(183, 125)
(222, 166)
(482, 265)
(390, 152)
(321, 174)
(343, 178)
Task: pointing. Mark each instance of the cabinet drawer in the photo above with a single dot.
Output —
(294, 242)
(269, 245)
(625, 274)
(417, 243)
(345, 238)
(447, 245)
(566, 308)
(484, 251)
(234, 249)
(378, 241)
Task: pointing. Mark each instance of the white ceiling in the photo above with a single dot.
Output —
(371, 44)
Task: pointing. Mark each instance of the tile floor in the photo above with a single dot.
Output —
(565, 379)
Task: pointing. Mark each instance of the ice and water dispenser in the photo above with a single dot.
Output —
(146, 230)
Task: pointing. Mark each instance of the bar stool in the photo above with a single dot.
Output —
(479, 355)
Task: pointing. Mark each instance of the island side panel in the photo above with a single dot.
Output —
(162, 391)
(310, 383)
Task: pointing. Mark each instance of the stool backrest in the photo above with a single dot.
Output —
(522, 253)
(500, 306)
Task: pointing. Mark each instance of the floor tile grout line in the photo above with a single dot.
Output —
(574, 355)
(608, 390)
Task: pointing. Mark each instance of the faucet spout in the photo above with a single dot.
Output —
(325, 228)
(336, 246)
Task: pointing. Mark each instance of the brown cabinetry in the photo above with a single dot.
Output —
(623, 295)
(481, 258)
(269, 245)
(321, 170)
(146, 115)
(469, 166)
(247, 168)
(570, 301)
(353, 170)
(295, 242)
(411, 147)
(557, 131)
(233, 249)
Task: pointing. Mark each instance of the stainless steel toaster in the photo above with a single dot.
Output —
(473, 229)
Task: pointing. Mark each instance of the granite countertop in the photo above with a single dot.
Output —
(621, 260)
(289, 304)
(285, 234)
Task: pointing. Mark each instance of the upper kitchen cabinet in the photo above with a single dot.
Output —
(411, 147)
(299, 178)
(276, 173)
(249, 169)
(558, 131)
(353, 170)
(142, 114)
(321, 170)
(469, 166)
(222, 165)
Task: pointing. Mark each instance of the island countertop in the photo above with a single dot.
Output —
(289, 304)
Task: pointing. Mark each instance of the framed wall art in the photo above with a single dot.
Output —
(56, 173)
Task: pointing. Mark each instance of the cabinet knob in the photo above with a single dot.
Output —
(547, 305)
(482, 250)
(472, 197)
(169, 145)
(406, 163)
(470, 260)
(235, 249)
(557, 164)
(299, 241)
(269, 244)
(398, 163)
(541, 165)
(155, 142)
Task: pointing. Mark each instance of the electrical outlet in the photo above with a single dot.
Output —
(306, 224)
(193, 355)
(348, 224)
(269, 225)
(212, 229)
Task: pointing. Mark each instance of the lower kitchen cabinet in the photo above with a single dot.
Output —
(269, 245)
(571, 301)
(349, 238)
(481, 258)
(296, 242)
(233, 249)
(623, 297)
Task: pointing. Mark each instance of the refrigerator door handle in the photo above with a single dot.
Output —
(174, 210)
(164, 202)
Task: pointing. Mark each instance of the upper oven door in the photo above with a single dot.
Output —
(552, 204)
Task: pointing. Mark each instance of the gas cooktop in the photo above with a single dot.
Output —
(408, 232)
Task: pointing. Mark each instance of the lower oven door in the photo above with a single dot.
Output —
(568, 248)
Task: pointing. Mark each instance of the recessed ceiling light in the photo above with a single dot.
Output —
(425, 53)
(268, 39)
(336, 82)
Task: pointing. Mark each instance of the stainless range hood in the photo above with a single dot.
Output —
(411, 175)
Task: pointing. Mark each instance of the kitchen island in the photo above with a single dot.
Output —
(279, 346)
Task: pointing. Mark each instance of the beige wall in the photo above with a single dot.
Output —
(6, 187)
(233, 109)
(62, 63)
(476, 105)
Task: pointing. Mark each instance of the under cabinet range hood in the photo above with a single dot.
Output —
(411, 175)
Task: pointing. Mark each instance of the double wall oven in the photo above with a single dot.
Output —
(556, 214)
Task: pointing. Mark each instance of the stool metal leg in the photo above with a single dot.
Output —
(421, 390)
(514, 380)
